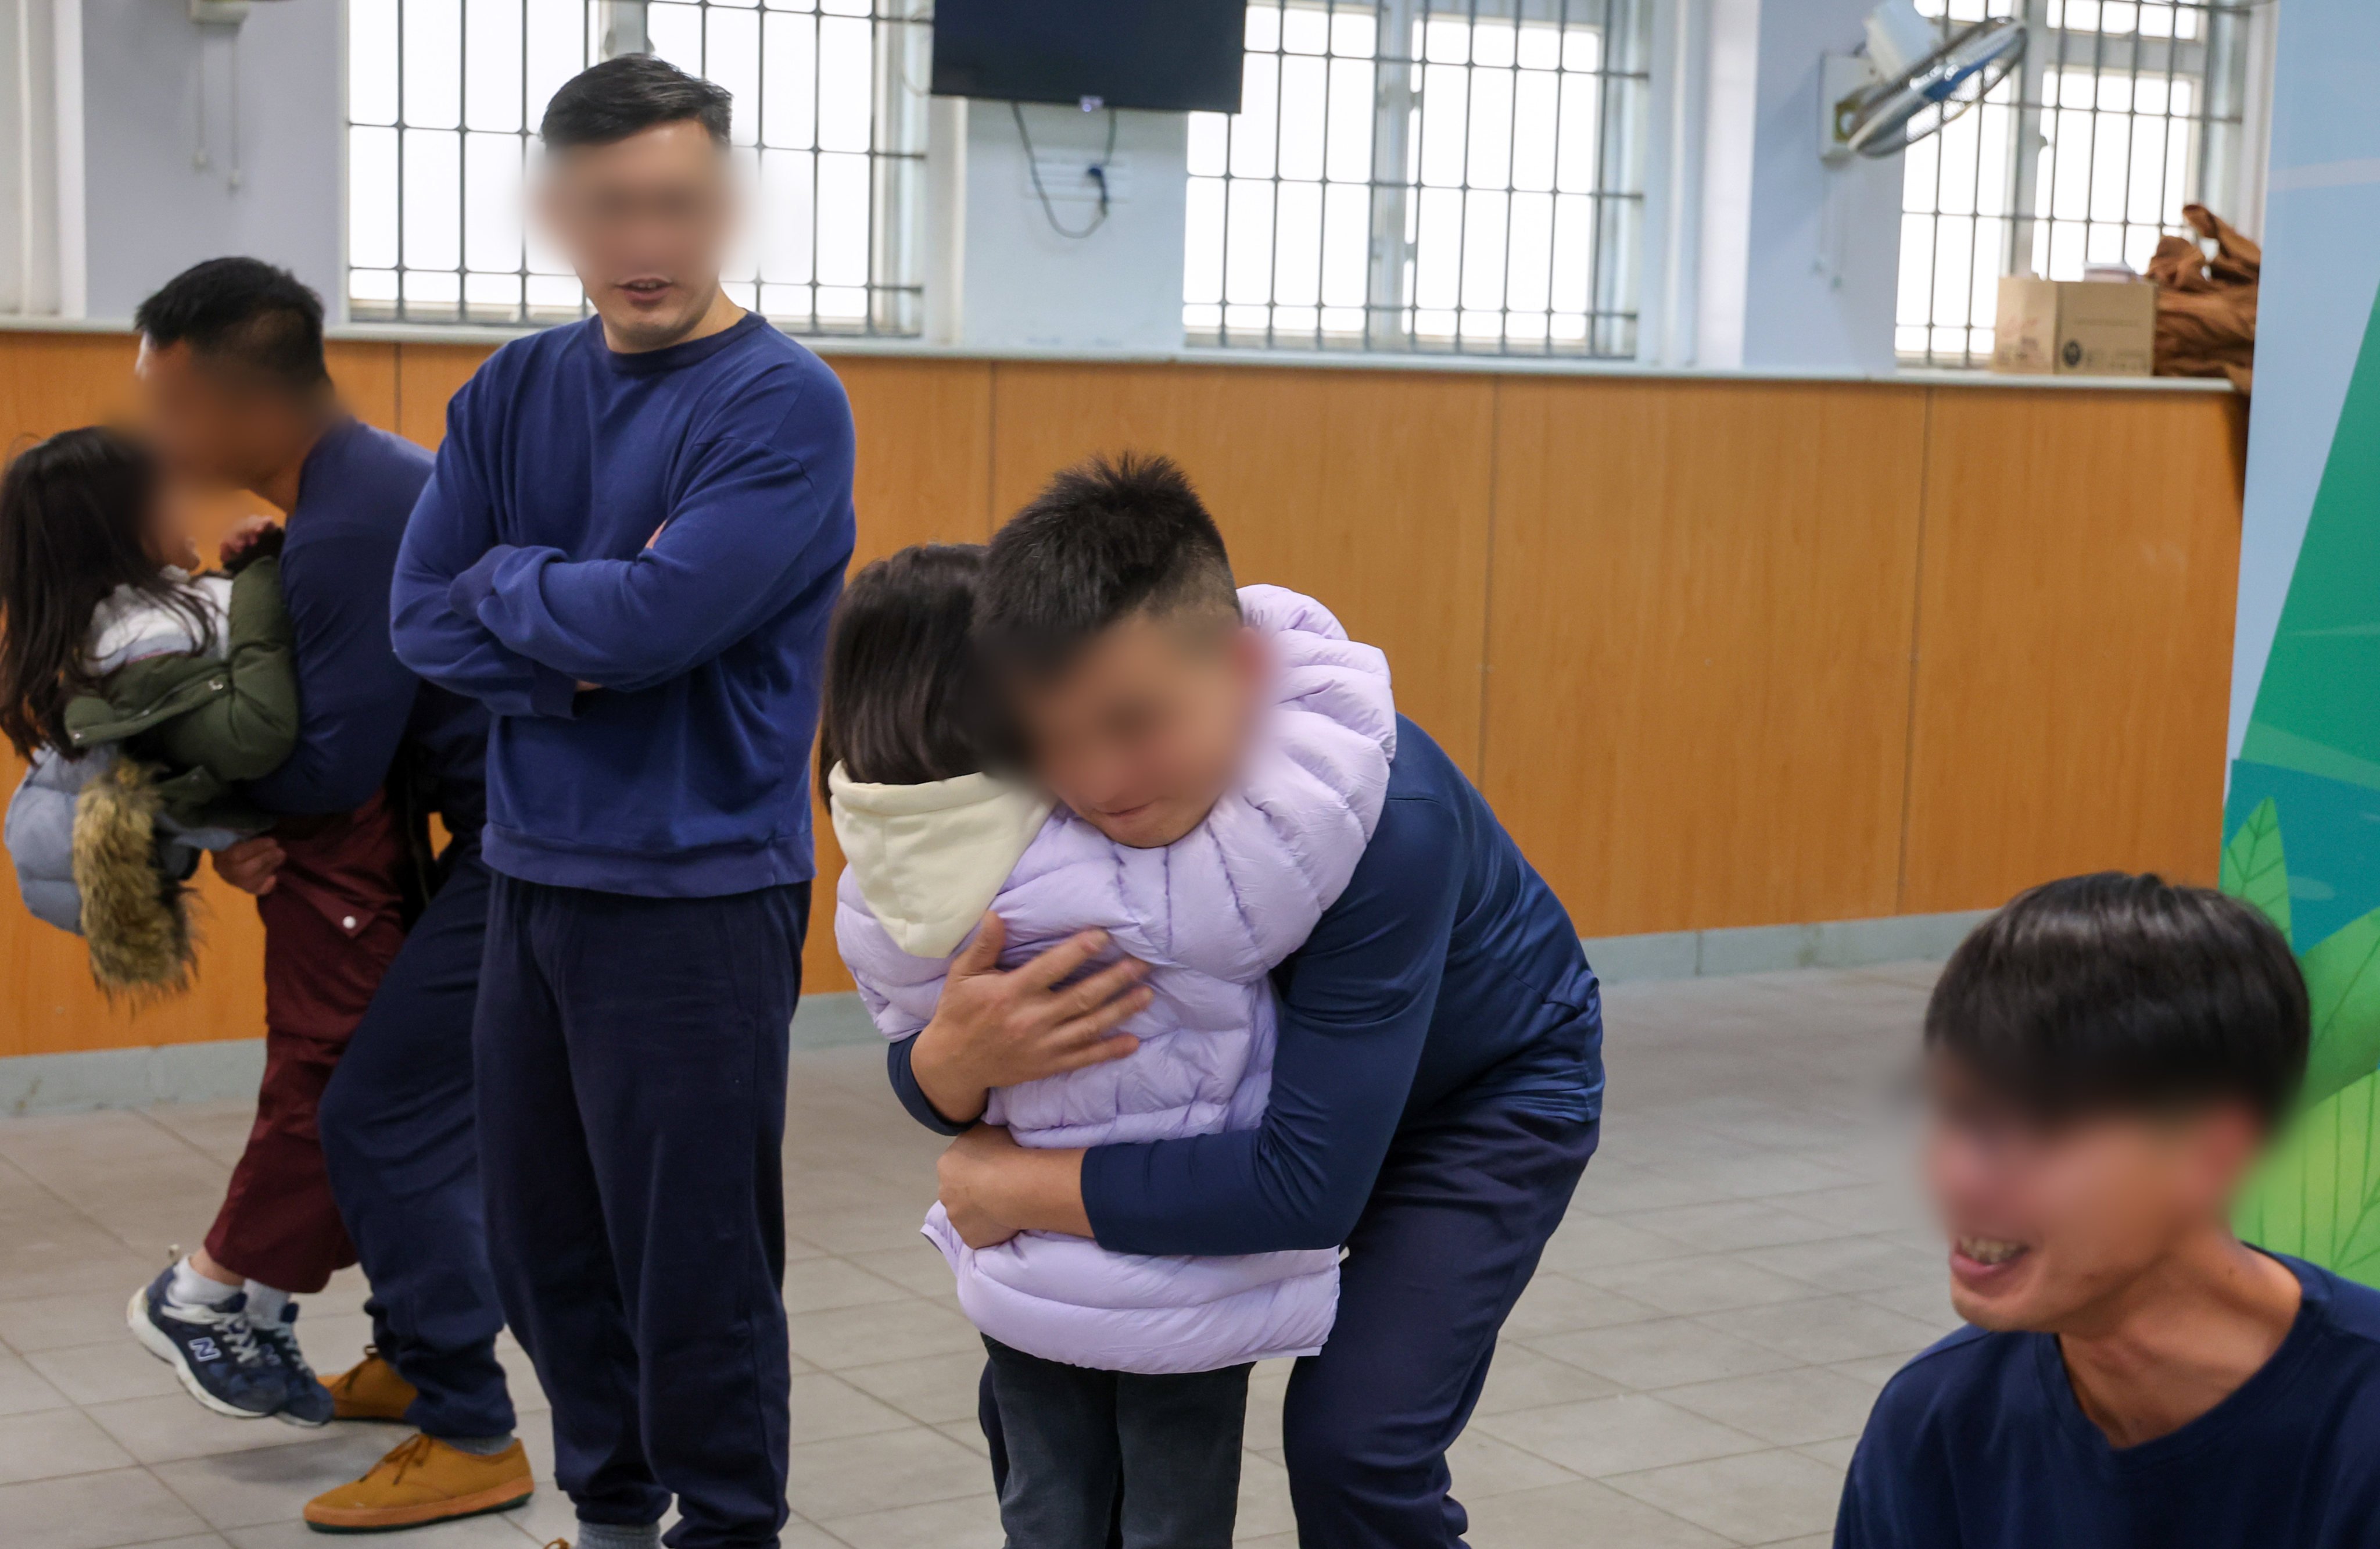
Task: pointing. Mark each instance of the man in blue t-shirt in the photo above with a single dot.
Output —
(2106, 1057)
(629, 551)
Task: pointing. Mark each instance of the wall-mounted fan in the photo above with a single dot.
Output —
(1912, 79)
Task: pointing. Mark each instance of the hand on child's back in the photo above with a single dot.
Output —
(998, 1028)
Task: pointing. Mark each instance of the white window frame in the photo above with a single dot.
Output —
(2021, 213)
(1598, 224)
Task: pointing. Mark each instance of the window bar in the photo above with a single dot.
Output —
(402, 133)
(462, 160)
(1511, 179)
(817, 125)
(1553, 222)
(1322, 188)
(1463, 167)
(520, 305)
(1279, 94)
(1602, 306)
(1975, 241)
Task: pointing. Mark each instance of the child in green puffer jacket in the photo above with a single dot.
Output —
(142, 694)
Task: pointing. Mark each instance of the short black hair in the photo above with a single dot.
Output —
(903, 703)
(629, 95)
(244, 311)
(1105, 540)
(2115, 992)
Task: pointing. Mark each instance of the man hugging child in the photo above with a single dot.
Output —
(1120, 1381)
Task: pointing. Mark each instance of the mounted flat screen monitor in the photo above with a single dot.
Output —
(1169, 55)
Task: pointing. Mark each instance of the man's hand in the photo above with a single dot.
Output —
(248, 533)
(994, 1188)
(995, 1029)
(249, 865)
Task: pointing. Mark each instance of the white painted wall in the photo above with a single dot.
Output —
(1800, 259)
(41, 272)
(263, 105)
(1022, 284)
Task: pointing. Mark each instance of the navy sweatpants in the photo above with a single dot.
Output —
(1462, 1210)
(1456, 1224)
(632, 1124)
(400, 1136)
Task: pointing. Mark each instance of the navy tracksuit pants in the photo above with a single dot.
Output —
(399, 1139)
(1459, 1214)
(631, 1056)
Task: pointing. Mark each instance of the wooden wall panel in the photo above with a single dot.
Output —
(365, 373)
(924, 477)
(1367, 489)
(1700, 616)
(427, 375)
(1699, 643)
(2074, 645)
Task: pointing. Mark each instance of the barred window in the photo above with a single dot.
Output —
(2122, 112)
(1425, 175)
(444, 99)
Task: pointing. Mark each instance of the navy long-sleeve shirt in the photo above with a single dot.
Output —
(1447, 973)
(1981, 1443)
(672, 527)
(359, 705)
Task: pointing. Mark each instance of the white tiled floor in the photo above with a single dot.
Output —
(1744, 1266)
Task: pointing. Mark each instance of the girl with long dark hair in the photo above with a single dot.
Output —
(140, 692)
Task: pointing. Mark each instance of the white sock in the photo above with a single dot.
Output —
(189, 1289)
(264, 1303)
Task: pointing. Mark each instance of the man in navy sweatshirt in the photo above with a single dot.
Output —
(1438, 1079)
(629, 551)
(2105, 1058)
(368, 1021)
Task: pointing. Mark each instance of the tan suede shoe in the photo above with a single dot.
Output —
(423, 1479)
(370, 1389)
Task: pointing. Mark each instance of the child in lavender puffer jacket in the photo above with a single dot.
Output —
(941, 840)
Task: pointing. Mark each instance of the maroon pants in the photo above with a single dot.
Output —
(332, 926)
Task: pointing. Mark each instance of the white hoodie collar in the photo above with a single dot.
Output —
(932, 858)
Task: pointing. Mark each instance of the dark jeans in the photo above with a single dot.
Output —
(1085, 1458)
(631, 1058)
(404, 1153)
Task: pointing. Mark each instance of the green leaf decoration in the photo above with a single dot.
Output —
(2317, 1194)
(2254, 871)
(2342, 976)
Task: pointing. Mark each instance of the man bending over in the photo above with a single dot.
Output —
(2107, 1056)
(1438, 1078)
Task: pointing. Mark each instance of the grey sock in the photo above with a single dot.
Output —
(479, 1446)
(608, 1535)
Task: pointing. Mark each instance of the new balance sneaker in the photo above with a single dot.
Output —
(309, 1402)
(370, 1389)
(212, 1349)
(422, 1480)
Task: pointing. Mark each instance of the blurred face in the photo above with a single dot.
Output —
(2051, 1224)
(1144, 731)
(212, 422)
(646, 223)
(168, 531)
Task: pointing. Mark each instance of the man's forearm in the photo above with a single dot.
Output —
(1041, 1191)
(959, 1097)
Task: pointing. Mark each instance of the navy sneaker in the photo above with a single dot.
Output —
(309, 1402)
(212, 1349)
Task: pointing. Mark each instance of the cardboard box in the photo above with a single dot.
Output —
(2075, 327)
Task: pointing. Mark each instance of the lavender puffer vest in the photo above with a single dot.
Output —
(1212, 914)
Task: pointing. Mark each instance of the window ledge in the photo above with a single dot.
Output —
(1495, 365)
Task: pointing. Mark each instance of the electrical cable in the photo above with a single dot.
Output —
(1097, 172)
